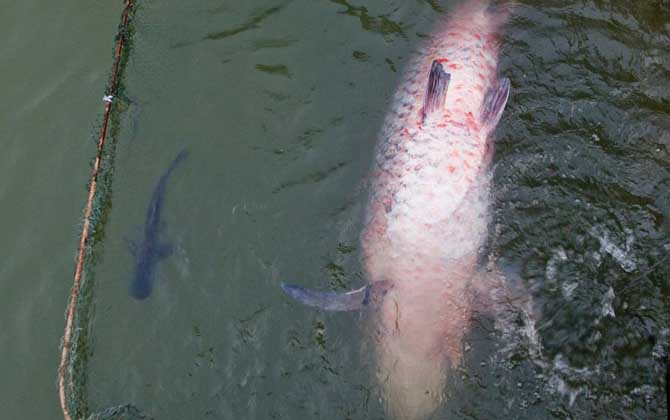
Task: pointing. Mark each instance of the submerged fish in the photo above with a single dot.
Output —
(149, 251)
(427, 217)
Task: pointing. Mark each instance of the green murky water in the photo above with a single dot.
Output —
(278, 103)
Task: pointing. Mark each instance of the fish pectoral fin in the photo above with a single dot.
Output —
(164, 251)
(494, 103)
(436, 91)
(337, 301)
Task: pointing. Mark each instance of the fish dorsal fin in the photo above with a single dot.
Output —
(494, 103)
(436, 92)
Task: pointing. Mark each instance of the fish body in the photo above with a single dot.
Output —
(427, 215)
(428, 211)
(150, 251)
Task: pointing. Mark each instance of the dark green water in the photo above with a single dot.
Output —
(279, 104)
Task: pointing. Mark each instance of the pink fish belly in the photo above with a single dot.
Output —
(419, 328)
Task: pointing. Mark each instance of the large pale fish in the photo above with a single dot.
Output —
(427, 217)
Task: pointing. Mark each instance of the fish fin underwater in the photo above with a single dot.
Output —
(164, 251)
(491, 291)
(338, 301)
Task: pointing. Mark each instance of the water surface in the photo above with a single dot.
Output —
(279, 103)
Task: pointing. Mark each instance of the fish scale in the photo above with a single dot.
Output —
(428, 212)
(423, 169)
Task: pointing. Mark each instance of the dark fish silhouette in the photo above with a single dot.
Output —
(149, 251)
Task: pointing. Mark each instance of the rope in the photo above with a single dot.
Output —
(74, 295)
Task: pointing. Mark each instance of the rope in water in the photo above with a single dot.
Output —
(74, 295)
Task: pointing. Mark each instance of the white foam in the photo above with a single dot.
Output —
(622, 254)
(530, 332)
(568, 289)
(526, 336)
(562, 369)
(557, 257)
(608, 299)
(660, 350)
